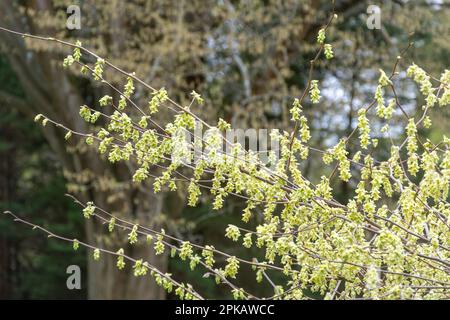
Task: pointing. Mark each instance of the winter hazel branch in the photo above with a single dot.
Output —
(389, 240)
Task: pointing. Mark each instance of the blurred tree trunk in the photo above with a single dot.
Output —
(50, 91)
(59, 100)
(163, 42)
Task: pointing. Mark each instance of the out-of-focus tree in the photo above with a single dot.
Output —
(171, 44)
(248, 58)
(31, 182)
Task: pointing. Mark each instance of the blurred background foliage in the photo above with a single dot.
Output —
(249, 59)
(33, 266)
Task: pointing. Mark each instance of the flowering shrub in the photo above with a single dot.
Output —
(391, 240)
